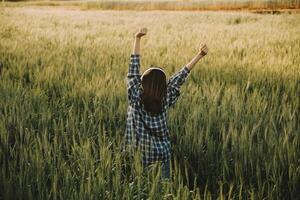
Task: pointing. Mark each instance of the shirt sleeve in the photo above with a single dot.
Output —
(174, 84)
(134, 79)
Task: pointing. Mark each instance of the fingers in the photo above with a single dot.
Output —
(202, 46)
(143, 31)
(203, 49)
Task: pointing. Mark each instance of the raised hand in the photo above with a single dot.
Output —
(138, 35)
(203, 50)
(141, 33)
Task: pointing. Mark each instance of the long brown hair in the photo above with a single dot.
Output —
(154, 90)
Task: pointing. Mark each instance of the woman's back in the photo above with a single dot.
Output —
(144, 130)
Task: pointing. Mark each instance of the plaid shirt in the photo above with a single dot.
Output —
(149, 133)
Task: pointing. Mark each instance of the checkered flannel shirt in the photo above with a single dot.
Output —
(149, 133)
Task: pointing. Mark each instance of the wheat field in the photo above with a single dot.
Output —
(235, 128)
(189, 5)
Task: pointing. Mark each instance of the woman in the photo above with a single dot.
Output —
(150, 96)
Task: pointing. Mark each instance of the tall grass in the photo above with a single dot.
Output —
(235, 129)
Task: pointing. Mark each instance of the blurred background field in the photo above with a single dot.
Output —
(191, 5)
(235, 129)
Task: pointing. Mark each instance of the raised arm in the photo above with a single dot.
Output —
(202, 52)
(137, 39)
(133, 76)
(176, 80)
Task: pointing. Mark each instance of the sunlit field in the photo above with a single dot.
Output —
(235, 129)
(191, 5)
